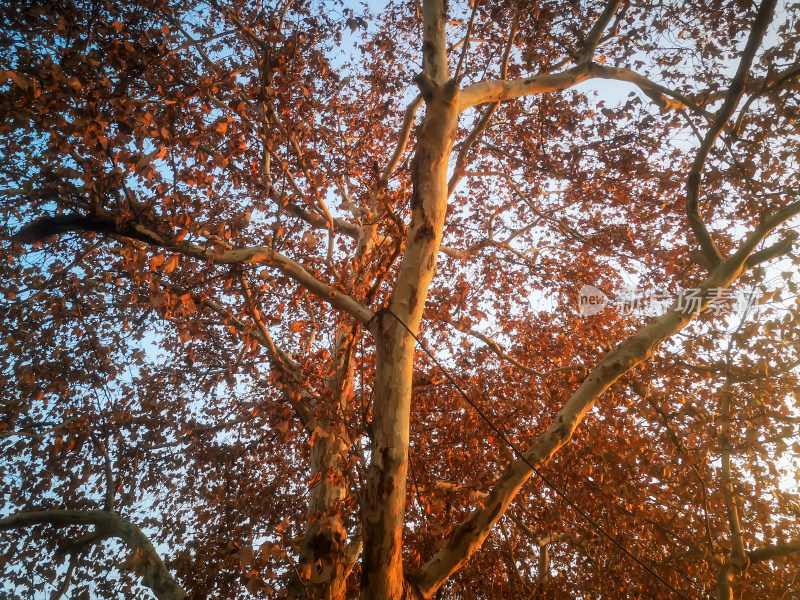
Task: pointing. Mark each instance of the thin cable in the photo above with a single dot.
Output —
(419, 501)
(521, 456)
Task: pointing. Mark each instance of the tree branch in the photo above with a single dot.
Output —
(662, 96)
(596, 33)
(468, 536)
(278, 357)
(495, 347)
(483, 122)
(500, 90)
(773, 552)
(644, 393)
(24, 432)
(155, 574)
(463, 55)
(777, 249)
(402, 143)
(47, 226)
(735, 91)
(67, 580)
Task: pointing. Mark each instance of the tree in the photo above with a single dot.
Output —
(280, 320)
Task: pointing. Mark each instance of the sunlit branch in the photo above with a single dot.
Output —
(354, 547)
(468, 536)
(664, 97)
(500, 90)
(544, 543)
(47, 226)
(402, 138)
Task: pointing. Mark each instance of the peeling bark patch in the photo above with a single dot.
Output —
(322, 545)
(425, 232)
(412, 303)
(496, 510)
(466, 530)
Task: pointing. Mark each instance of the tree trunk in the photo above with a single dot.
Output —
(385, 494)
(323, 564)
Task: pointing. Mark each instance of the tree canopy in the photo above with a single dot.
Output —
(294, 299)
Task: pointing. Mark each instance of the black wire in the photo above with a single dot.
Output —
(522, 457)
(419, 501)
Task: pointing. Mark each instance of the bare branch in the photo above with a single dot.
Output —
(461, 58)
(483, 122)
(402, 143)
(495, 347)
(645, 394)
(278, 357)
(100, 445)
(67, 580)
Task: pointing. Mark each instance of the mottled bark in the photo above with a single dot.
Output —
(324, 562)
(385, 493)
